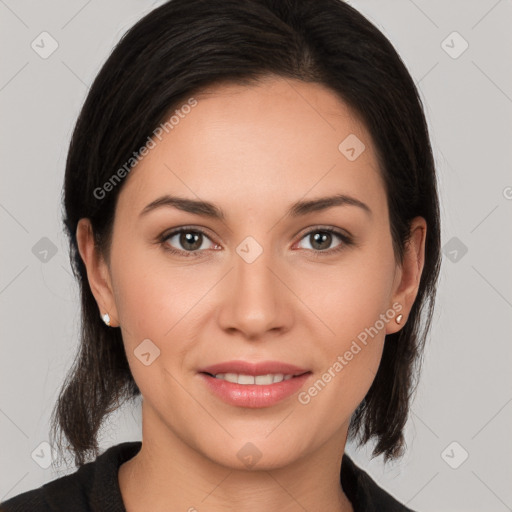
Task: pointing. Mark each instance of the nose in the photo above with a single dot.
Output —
(254, 299)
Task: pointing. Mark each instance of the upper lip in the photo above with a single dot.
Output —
(247, 368)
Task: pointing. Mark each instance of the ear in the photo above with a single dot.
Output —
(407, 278)
(98, 273)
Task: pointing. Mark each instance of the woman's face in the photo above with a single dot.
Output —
(262, 284)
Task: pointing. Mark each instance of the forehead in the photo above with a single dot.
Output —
(252, 147)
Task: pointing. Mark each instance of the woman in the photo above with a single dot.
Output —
(251, 203)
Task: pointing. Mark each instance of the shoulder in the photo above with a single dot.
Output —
(363, 491)
(30, 500)
(93, 485)
(68, 490)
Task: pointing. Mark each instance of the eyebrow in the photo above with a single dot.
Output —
(297, 209)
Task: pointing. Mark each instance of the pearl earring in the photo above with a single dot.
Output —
(106, 319)
(399, 318)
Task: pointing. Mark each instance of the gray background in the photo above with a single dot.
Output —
(465, 393)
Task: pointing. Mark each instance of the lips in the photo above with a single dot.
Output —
(254, 395)
(254, 369)
(234, 382)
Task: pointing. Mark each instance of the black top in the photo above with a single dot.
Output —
(94, 487)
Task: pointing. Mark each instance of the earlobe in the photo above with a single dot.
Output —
(97, 272)
(411, 271)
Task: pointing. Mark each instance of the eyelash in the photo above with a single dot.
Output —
(347, 241)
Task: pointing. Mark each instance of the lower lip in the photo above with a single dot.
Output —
(254, 395)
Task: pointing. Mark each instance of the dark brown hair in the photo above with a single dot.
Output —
(185, 46)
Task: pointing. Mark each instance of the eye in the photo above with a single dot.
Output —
(189, 241)
(320, 240)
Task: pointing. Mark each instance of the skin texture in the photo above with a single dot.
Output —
(253, 151)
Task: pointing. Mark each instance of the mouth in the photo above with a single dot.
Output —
(254, 385)
(258, 380)
(246, 369)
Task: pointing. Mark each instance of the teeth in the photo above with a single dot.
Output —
(238, 378)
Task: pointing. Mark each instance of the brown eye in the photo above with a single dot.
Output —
(190, 241)
(321, 240)
(185, 240)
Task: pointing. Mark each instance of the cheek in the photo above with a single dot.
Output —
(354, 302)
(154, 296)
(354, 308)
(350, 298)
